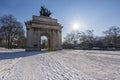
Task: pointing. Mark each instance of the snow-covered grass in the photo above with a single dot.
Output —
(60, 65)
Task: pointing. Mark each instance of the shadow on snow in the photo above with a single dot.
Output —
(12, 55)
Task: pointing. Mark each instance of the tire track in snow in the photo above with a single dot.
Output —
(57, 70)
(6, 68)
(61, 65)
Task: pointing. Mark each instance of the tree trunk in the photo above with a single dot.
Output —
(8, 43)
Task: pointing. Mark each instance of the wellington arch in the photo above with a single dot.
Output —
(43, 25)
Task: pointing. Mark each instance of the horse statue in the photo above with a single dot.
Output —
(45, 12)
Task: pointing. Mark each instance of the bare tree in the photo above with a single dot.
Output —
(11, 30)
(44, 43)
(70, 40)
(112, 35)
(72, 37)
(85, 39)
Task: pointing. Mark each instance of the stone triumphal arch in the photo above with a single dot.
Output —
(43, 25)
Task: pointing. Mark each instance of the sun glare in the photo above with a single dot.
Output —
(76, 26)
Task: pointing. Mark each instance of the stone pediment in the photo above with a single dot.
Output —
(43, 22)
(44, 19)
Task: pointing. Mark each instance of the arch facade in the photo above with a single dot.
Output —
(42, 25)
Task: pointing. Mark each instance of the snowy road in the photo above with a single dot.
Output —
(60, 65)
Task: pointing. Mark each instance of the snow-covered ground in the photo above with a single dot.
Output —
(60, 65)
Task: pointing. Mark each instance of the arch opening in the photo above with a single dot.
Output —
(44, 42)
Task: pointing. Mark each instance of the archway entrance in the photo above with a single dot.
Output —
(45, 43)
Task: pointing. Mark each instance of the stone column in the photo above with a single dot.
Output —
(29, 38)
(39, 39)
(54, 40)
(28, 41)
(51, 39)
(60, 39)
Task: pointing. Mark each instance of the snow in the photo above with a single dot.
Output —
(59, 65)
(10, 50)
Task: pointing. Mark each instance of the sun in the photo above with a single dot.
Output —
(76, 26)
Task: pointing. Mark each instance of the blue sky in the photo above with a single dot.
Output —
(97, 15)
